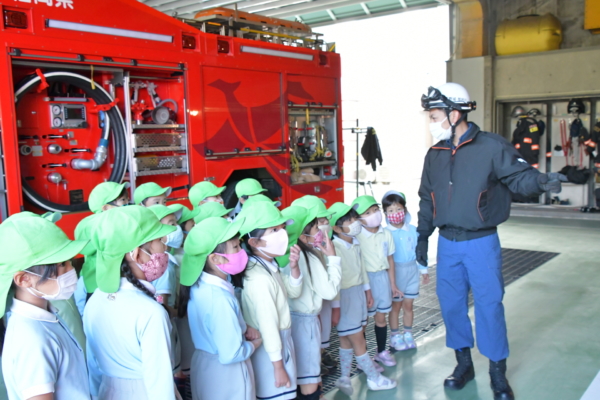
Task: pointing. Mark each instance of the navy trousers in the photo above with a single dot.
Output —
(477, 265)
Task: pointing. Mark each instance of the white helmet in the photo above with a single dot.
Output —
(450, 96)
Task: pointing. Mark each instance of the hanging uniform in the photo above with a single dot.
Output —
(526, 139)
(221, 367)
(318, 284)
(129, 345)
(48, 360)
(265, 308)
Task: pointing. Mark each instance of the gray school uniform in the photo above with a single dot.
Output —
(306, 332)
(265, 380)
(353, 310)
(407, 279)
(382, 292)
(229, 381)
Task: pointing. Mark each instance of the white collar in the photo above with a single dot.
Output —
(32, 312)
(216, 281)
(368, 233)
(172, 259)
(348, 245)
(393, 228)
(272, 265)
(126, 285)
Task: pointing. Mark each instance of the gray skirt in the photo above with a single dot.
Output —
(325, 316)
(353, 311)
(212, 380)
(264, 374)
(407, 279)
(306, 332)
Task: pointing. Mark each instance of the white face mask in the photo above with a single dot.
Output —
(325, 228)
(355, 229)
(438, 132)
(175, 238)
(67, 283)
(373, 220)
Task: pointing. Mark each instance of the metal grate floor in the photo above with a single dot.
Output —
(515, 264)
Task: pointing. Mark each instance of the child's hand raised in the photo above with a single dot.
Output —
(328, 249)
(294, 256)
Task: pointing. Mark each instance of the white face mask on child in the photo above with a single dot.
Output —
(354, 229)
(67, 283)
(373, 220)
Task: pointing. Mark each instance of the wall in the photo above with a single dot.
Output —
(569, 12)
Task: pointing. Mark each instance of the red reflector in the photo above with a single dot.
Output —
(188, 42)
(15, 19)
(222, 46)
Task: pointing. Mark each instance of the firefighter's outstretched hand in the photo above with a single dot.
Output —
(551, 182)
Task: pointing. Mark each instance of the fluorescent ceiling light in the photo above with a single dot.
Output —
(104, 30)
(276, 53)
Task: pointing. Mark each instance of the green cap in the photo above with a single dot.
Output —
(261, 215)
(104, 193)
(202, 190)
(162, 211)
(211, 209)
(149, 189)
(339, 210)
(83, 231)
(310, 201)
(201, 242)
(29, 240)
(301, 217)
(362, 203)
(118, 231)
(260, 197)
(187, 214)
(248, 187)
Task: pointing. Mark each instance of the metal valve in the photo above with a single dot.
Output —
(54, 148)
(55, 177)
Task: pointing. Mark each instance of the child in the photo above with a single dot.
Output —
(246, 188)
(377, 249)
(128, 332)
(103, 197)
(166, 285)
(212, 209)
(330, 313)
(41, 358)
(204, 192)
(149, 194)
(221, 367)
(264, 300)
(407, 269)
(355, 297)
(319, 282)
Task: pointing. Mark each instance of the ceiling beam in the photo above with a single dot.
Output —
(274, 5)
(331, 15)
(309, 7)
(403, 4)
(365, 8)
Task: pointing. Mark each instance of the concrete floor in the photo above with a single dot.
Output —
(553, 323)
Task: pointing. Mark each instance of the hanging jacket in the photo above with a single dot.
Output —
(526, 139)
(370, 150)
(465, 191)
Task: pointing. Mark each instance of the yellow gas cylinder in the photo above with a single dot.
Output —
(528, 34)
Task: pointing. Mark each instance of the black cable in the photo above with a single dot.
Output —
(100, 96)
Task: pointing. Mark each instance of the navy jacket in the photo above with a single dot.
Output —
(465, 192)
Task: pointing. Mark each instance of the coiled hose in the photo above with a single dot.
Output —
(114, 120)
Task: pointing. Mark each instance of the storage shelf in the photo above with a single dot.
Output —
(152, 149)
(156, 126)
(317, 163)
(162, 172)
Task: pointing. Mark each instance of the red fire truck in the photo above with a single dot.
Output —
(113, 90)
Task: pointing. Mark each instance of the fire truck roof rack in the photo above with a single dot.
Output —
(231, 22)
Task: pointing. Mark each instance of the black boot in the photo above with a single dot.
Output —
(463, 372)
(499, 383)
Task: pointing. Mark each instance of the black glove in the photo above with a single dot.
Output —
(422, 247)
(551, 182)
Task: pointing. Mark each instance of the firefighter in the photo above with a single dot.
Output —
(526, 136)
(465, 193)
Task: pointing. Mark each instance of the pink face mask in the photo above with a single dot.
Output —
(317, 239)
(396, 218)
(156, 267)
(373, 220)
(237, 262)
(277, 243)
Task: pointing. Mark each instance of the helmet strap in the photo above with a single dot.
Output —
(463, 115)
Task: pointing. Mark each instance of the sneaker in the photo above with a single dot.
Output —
(382, 383)
(345, 385)
(409, 340)
(378, 367)
(385, 358)
(397, 342)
